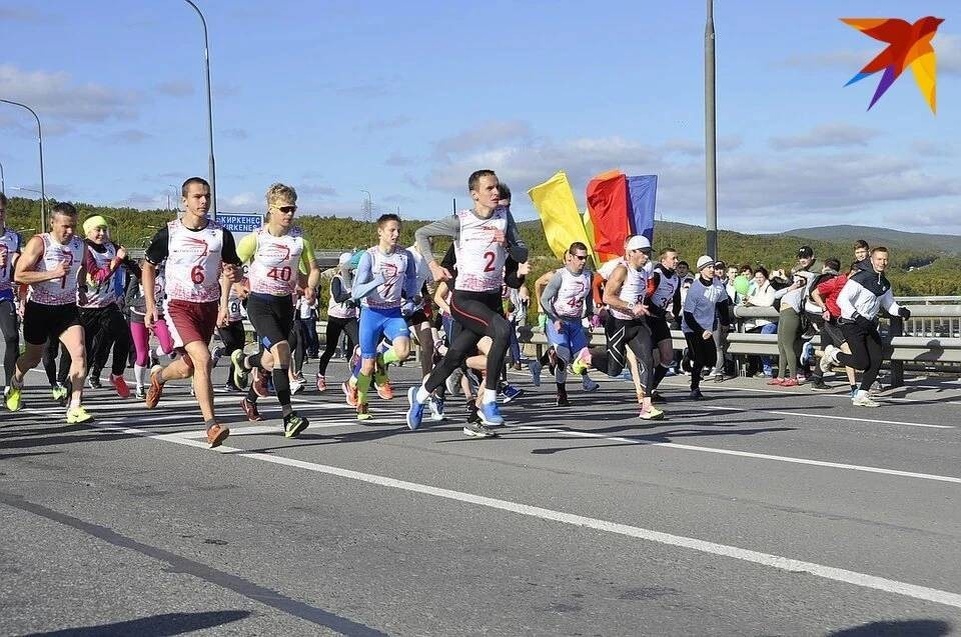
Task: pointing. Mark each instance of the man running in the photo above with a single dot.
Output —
(51, 264)
(279, 256)
(483, 237)
(9, 329)
(664, 291)
(563, 300)
(193, 250)
(860, 300)
(386, 280)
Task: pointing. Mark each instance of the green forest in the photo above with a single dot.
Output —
(939, 275)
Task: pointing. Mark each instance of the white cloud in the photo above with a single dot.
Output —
(176, 88)
(483, 135)
(56, 94)
(826, 136)
(241, 200)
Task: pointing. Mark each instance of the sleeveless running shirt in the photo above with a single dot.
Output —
(274, 267)
(9, 246)
(102, 294)
(339, 310)
(62, 291)
(569, 302)
(667, 285)
(394, 268)
(193, 262)
(633, 291)
(480, 260)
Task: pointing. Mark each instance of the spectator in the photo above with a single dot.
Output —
(761, 294)
(788, 332)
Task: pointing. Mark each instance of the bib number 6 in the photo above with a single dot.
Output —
(197, 274)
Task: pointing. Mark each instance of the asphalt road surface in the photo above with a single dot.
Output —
(754, 512)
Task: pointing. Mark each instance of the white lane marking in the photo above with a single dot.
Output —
(764, 559)
(784, 392)
(825, 416)
(743, 454)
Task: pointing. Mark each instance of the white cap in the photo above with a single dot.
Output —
(344, 258)
(704, 261)
(638, 242)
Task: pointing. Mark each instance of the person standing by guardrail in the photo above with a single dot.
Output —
(705, 311)
(860, 300)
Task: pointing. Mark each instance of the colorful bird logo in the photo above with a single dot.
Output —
(908, 45)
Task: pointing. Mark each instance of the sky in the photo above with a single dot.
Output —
(405, 100)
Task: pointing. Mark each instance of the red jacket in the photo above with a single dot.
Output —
(829, 291)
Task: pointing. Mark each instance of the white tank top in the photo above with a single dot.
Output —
(9, 246)
(193, 262)
(102, 294)
(663, 296)
(633, 291)
(339, 310)
(62, 291)
(394, 268)
(273, 270)
(480, 261)
(569, 301)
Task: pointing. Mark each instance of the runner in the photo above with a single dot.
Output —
(341, 318)
(386, 281)
(279, 256)
(483, 237)
(51, 264)
(563, 300)
(195, 249)
(9, 328)
(419, 321)
(232, 335)
(705, 309)
(860, 300)
(664, 291)
(136, 302)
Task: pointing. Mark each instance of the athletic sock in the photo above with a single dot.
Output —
(422, 394)
(282, 386)
(490, 395)
(388, 357)
(363, 386)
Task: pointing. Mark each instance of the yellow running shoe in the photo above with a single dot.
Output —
(77, 415)
(651, 414)
(363, 412)
(12, 398)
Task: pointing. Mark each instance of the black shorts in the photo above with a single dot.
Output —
(419, 317)
(47, 322)
(272, 318)
(831, 333)
(660, 330)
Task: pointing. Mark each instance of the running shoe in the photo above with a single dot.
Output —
(490, 415)
(156, 389)
(241, 373)
(583, 361)
(363, 411)
(216, 434)
(656, 397)
(829, 359)
(139, 393)
(818, 384)
(589, 384)
(453, 382)
(535, 368)
(776, 381)
(59, 393)
(561, 399)
(93, 381)
(473, 415)
(510, 392)
(250, 410)
(321, 382)
(77, 415)
(790, 382)
(11, 397)
(294, 424)
(436, 406)
(350, 393)
(807, 352)
(297, 386)
(259, 383)
(864, 400)
(215, 356)
(384, 389)
(651, 414)
(696, 395)
(415, 413)
(120, 384)
(478, 430)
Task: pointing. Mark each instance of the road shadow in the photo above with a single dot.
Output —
(898, 628)
(156, 626)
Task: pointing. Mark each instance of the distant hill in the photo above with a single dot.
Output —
(914, 241)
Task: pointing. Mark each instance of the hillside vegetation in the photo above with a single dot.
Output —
(939, 277)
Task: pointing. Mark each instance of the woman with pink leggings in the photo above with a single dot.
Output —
(137, 305)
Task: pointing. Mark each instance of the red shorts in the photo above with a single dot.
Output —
(190, 321)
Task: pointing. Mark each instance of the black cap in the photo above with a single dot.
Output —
(805, 251)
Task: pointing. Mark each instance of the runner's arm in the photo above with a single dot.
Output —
(365, 281)
(28, 260)
(515, 245)
(547, 296)
(446, 227)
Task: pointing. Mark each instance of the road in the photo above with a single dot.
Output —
(754, 512)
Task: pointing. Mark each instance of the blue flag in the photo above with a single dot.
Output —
(641, 196)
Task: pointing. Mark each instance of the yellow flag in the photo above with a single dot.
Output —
(563, 224)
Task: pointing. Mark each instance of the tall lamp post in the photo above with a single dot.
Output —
(367, 205)
(43, 198)
(3, 181)
(710, 133)
(210, 115)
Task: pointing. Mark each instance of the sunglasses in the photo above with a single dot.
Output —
(286, 209)
(579, 257)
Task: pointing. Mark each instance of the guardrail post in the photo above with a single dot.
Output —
(896, 328)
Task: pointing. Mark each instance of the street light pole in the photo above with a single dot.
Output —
(210, 116)
(367, 205)
(43, 197)
(710, 133)
(3, 181)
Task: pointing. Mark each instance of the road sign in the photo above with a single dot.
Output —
(239, 222)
